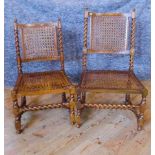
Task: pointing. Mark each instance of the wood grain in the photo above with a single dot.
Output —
(103, 132)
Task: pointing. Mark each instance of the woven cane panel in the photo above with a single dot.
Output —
(109, 33)
(39, 42)
(32, 82)
(110, 80)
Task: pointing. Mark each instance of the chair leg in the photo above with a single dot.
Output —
(127, 98)
(23, 101)
(17, 114)
(78, 119)
(83, 97)
(72, 109)
(78, 111)
(140, 114)
(64, 99)
(140, 118)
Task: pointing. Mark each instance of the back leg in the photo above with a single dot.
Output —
(83, 97)
(23, 101)
(72, 105)
(127, 99)
(64, 99)
(78, 112)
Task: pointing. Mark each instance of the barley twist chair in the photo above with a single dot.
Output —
(110, 33)
(40, 42)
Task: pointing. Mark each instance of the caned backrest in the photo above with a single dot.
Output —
(38, 41)
(109, 33)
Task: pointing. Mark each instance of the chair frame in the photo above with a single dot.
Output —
(19, 109)
(136, 108)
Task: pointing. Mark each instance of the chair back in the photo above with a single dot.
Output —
(39, 42)
(111, 33)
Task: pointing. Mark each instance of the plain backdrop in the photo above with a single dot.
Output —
(71, 12)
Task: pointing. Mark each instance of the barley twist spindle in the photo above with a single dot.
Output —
(84, 58)
(132, 41)
(61, 43)
(19, 65)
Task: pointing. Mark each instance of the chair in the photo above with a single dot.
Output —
(40, 42)
(109, 34)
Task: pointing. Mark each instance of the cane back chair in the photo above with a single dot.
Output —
(109, 34)
(40, 42)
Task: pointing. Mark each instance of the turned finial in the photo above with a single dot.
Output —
(133, 14)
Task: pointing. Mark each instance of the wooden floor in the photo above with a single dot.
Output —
(104, 132)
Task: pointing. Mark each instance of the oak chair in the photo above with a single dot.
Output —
(40, 42)
(110, 33)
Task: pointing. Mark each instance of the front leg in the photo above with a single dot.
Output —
(17, 111)
(17, 115)
(72, 108)
(139, 112)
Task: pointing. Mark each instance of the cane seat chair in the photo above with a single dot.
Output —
(40, 42)
(110, 33)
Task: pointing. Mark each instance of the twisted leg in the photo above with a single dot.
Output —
(140, 118)
(72, 109)
(77, 115)
(64, 99)
(83, 97)
(16, 111)
(17, 114)
(23, 101)
(127, 99)
(140, 114)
